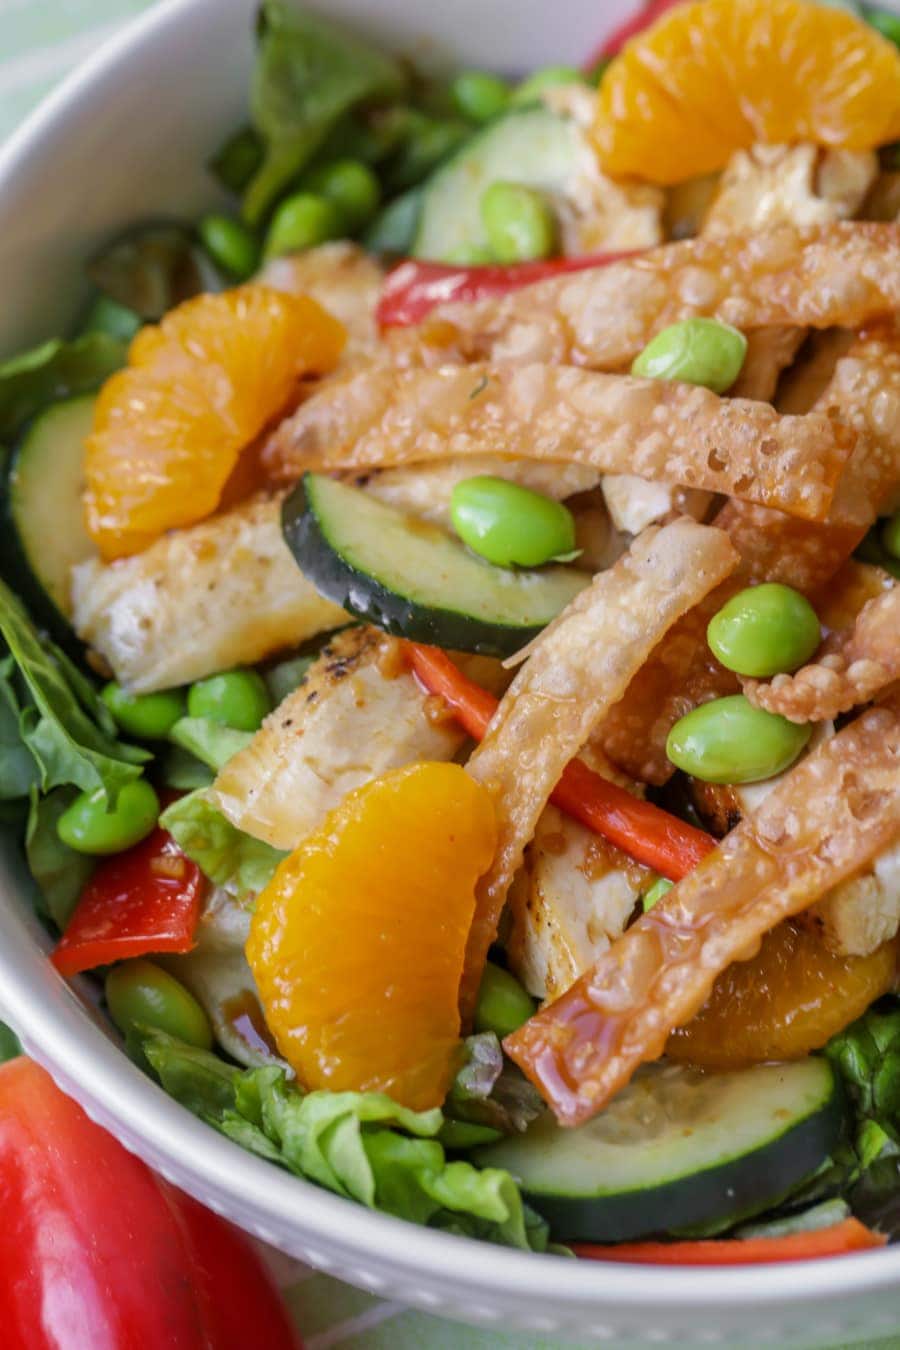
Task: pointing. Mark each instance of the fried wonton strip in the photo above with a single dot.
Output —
(845, 274)
(828, 817)
(657, 429)
(865, 386)
(852, 667)
(573, 675)
(769, 352)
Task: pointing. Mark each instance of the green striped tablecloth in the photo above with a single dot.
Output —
(40, 42)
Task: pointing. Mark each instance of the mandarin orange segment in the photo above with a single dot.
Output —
(357, 943)
(199, 387)
(716, 76)
(789, 999)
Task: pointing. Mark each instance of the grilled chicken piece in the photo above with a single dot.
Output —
(343, 278)
(357, 714)
(223, 593)
(597, 213)
(794, 184)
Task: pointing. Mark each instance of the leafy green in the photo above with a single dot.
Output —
(361, 1145)
(225, 854)
(283, 678)
(55, 370)
(62, 723)
(867, 1056)
(210, 742)
(9, 1044)
(19, 770)
(394, 228)
(237, 160)
(489, 1091)
(152, 268)
(59, 872)
(824, 1215)
(184, 771)
(308, 73)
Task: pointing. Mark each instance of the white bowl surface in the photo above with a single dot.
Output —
(127, 137)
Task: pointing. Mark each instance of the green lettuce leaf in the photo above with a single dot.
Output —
(52, 371)
(19, 771)
(59, 872)
(184, 771)
(61, 723)
(490, 1091)
(208, 741)
(9, 1044)
(308, 73)
(361, 1145)
(867, 1057)
(153, 267)
(225, 854)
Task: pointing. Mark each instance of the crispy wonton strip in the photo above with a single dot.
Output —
(575, 672)
(852, 667)
(833, 813)
(769, 351)
(657, 429)
(845, 274)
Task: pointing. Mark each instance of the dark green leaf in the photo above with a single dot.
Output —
(53, 371)
(59, 872)
(490, 1091)
(308, 74)
(153, 268)
(235, 162)
(394, 228)
(19, 770)
(9, 1044)
(184, 771)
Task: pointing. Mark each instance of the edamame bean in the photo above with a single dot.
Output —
(469, 255)
(302, 221)
(236, 698)
(764, 630)
(519, 222)
(140, 994)
(730, 741)
(656, 892)
(89, 826)
(890, 535)
(696, 351)
(546, 78)
(503, 1005)
(349, 185)
(510, 525)
(230, 244)
(148, 716)
(480, 96)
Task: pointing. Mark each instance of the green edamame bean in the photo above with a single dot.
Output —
(141, 994)
(764, 630)
(349, 185)
(148, 716)
(230, 244)
(302, 221)
(479, 96)
(730, 741)
(656, 892)
(890, 535)
(696, 351)
(469, 255)
(510, 525)
(88, 826)
(503, 1005)
(236, 698)
(519, 222)
(546, 78)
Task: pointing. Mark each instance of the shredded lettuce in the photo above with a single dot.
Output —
(229, 857)
(55, 370)
(308, 74)
(210, 742)
(361, 1145)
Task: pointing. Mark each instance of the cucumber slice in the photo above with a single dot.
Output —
(531, 146)
(677, 1149)
(45, 532)
(410, 578)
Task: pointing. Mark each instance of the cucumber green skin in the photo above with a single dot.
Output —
(731, 1191)
(368, 599)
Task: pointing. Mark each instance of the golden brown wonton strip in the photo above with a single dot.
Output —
(657, 429)
(769, 351)
(576, 670)
(845, 274)
(828, 817)
(852, 667)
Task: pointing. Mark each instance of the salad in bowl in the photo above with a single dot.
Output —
(450, 614)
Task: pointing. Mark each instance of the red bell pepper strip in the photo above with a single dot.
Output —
(413, 289)
(144, 900)
(848, 1236)
(629, 28)
(650, 835)
(97, 1251)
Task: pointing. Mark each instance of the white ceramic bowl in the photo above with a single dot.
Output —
(127, 136)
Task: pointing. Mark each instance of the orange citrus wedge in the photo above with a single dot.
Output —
(199, 387)
(712, 77)
(357, 943)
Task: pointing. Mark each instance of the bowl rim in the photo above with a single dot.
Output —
(91, 1067)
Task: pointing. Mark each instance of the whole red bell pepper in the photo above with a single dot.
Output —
(413, 289)
(142, 901)
(95, 1251)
